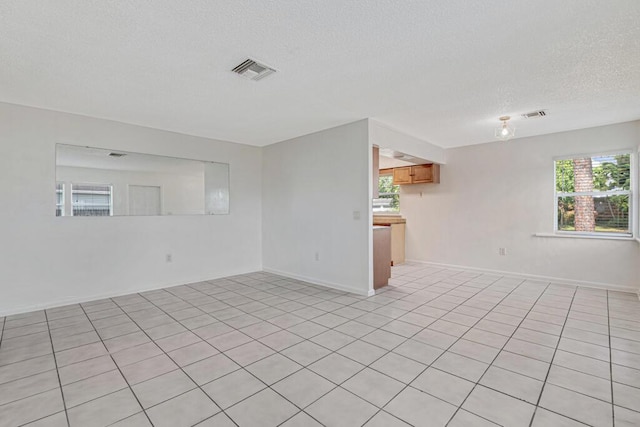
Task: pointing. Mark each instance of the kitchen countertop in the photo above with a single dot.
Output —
(388, 219)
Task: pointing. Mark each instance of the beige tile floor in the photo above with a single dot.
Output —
(437, 347)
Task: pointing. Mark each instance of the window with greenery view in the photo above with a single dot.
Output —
(389, 195)
(593, 194)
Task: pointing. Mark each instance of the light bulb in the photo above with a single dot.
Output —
(504, 131)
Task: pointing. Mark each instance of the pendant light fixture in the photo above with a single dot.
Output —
(505, 131)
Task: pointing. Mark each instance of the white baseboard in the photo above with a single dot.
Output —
(558, 280)
(94, 297)
(318, 282)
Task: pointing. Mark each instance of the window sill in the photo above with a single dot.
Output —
(585, 236)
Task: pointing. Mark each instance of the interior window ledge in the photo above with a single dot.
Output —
(585, 236)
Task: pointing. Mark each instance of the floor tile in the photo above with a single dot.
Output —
(583, 364)
(373, 386)
(219, 420)
(303, 387)
(281, 340)
(248, 353)
(461, 366)
(580, 382)
(443, 385)
(339, 408)
(273, 368)
(336, 368)
(305, 352)
(31, 408)
(264, 409)
(522, 365)
(232, 388)
(398, 367)
(163, 387)
(625, 417)
(418, 351)
(544, 418)
(138, 420)
(498, 407)
(384, 419)
(105, 410)
(210, 369)
(92, 388)
(148, 369)
(420, 409)
(184, 410)
(383, 339)
(464, 418)
(333, 340)
(577, 406)
(28, 386)
(192, 353)
(307, 329)
(55, 420)
(515, 385)
(79, 354)
(626, 396)
(362, 352)
(229, 340)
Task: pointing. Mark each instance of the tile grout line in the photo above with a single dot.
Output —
(119, 370)
(544, 384)
(613, 408)
(304, 295)
(453, 343)
(198, 386)
(305, 339)
(500, 351)
(55, 361)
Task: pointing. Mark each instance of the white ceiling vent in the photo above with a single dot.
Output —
(533, 114)
(253, 70)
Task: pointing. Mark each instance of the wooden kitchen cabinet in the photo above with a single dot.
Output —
(418, 174)
(402, 175)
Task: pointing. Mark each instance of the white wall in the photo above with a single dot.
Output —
(181, 193)
(499, 194)
(311, 187)
(46, 261)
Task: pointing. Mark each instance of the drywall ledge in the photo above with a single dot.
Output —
(582, 236)
(555, 280)
(325, 284)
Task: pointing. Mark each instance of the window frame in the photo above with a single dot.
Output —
(388, 172)
(62, 205)
(632, 193)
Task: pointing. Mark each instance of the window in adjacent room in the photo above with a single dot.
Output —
(389, 195)
(59, 199)
(91, 200)
(593, 194)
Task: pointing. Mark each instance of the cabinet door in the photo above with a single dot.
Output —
(422, 173)
(402, 175)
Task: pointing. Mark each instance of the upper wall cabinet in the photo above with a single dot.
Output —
(418, 174)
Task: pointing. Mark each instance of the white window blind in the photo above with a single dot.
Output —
(91, 200)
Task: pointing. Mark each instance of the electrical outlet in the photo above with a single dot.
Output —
(169, 258)
(502, 251)
(317, 256)
(356, 215)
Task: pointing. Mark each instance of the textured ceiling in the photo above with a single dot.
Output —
(443, 70)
